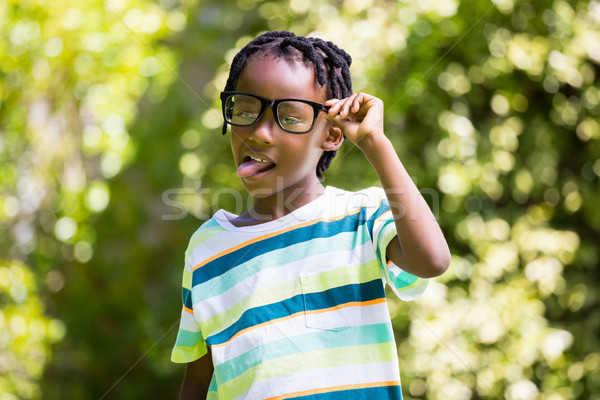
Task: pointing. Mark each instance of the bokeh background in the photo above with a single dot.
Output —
(111, 156)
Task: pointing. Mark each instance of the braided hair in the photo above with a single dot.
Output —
(331, 64)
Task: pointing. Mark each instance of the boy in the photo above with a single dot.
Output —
(287, 300)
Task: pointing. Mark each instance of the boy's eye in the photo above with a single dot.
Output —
(240, 116)
(289, 120)
(295, 115)
(295, 124)
(244, 114)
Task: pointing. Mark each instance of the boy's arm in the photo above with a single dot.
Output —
(420, 247)
(197, 378)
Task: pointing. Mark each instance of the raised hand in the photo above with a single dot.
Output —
(358, 116)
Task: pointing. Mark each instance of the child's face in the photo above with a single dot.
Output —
(291, 159)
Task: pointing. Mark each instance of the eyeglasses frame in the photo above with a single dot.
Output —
(273, 104)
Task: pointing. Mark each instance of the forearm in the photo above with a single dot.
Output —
(196, 381)
(421, 248)
(191, 391)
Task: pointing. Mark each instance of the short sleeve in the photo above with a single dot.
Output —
(190, 344)
(382, 230)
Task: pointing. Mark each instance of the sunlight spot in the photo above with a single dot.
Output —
(83, 251)
(65, 228)
(500, 105)
(176, 21)
(97, 196)
(110, 164)
(190, 164)
(53, 47)
(521, 390)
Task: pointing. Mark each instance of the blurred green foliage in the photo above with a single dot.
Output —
(25, 333)
(111, 156)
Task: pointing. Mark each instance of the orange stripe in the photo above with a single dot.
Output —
(335, 389)
(188, 310)
(339, 306)
(248, 329)
(350, 304)
(270, 235)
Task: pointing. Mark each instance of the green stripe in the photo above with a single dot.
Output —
(189, 346)
(202, 234)
(187, 279)
(335, 357)
(340, 277)
(386, 234)
(212, 395)
(273, 294)
(278, 258)
(186, 355)
(319, 340)
(403, 281)
(188, 339)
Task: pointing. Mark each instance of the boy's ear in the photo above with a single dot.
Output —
(334, 139)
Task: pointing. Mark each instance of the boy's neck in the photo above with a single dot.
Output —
(279, 205)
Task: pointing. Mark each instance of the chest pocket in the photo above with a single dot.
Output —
(333, 300)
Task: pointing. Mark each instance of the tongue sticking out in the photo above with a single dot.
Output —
(252, 167)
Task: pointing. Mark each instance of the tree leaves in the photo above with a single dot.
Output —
(111, 156)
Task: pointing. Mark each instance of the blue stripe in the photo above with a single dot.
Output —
(212, 387)
(186, 296)
(344, 294)
(403, 279)
(312, 301)
(341, 243)
(383, 207)
(210, 223)
(379, 393)
(319, 340)
(323, 229)
(382, 250)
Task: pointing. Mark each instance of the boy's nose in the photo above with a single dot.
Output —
(263, 129)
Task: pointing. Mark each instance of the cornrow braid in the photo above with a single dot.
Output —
(331, 64)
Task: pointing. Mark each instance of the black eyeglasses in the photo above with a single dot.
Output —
(292, 115)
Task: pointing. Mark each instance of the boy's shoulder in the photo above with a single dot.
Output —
(371, 196)
(374, 191)
(207, 230)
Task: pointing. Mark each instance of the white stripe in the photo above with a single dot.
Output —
(340, 203)
(372, 314)
(270, 276)
(323, 378)
(413, 292)
(217, 244)
(188, 322)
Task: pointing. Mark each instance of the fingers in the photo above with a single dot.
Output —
(357, 103)
(356, 115)
(353, 107)
(342, 108)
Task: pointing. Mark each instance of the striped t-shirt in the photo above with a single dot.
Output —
(295, 308)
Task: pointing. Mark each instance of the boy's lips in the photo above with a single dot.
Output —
(254, 164)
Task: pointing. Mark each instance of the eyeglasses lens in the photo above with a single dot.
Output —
(242, 110)
(293, 116)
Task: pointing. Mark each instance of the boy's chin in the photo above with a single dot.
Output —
(261, 187)
(259, 193)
